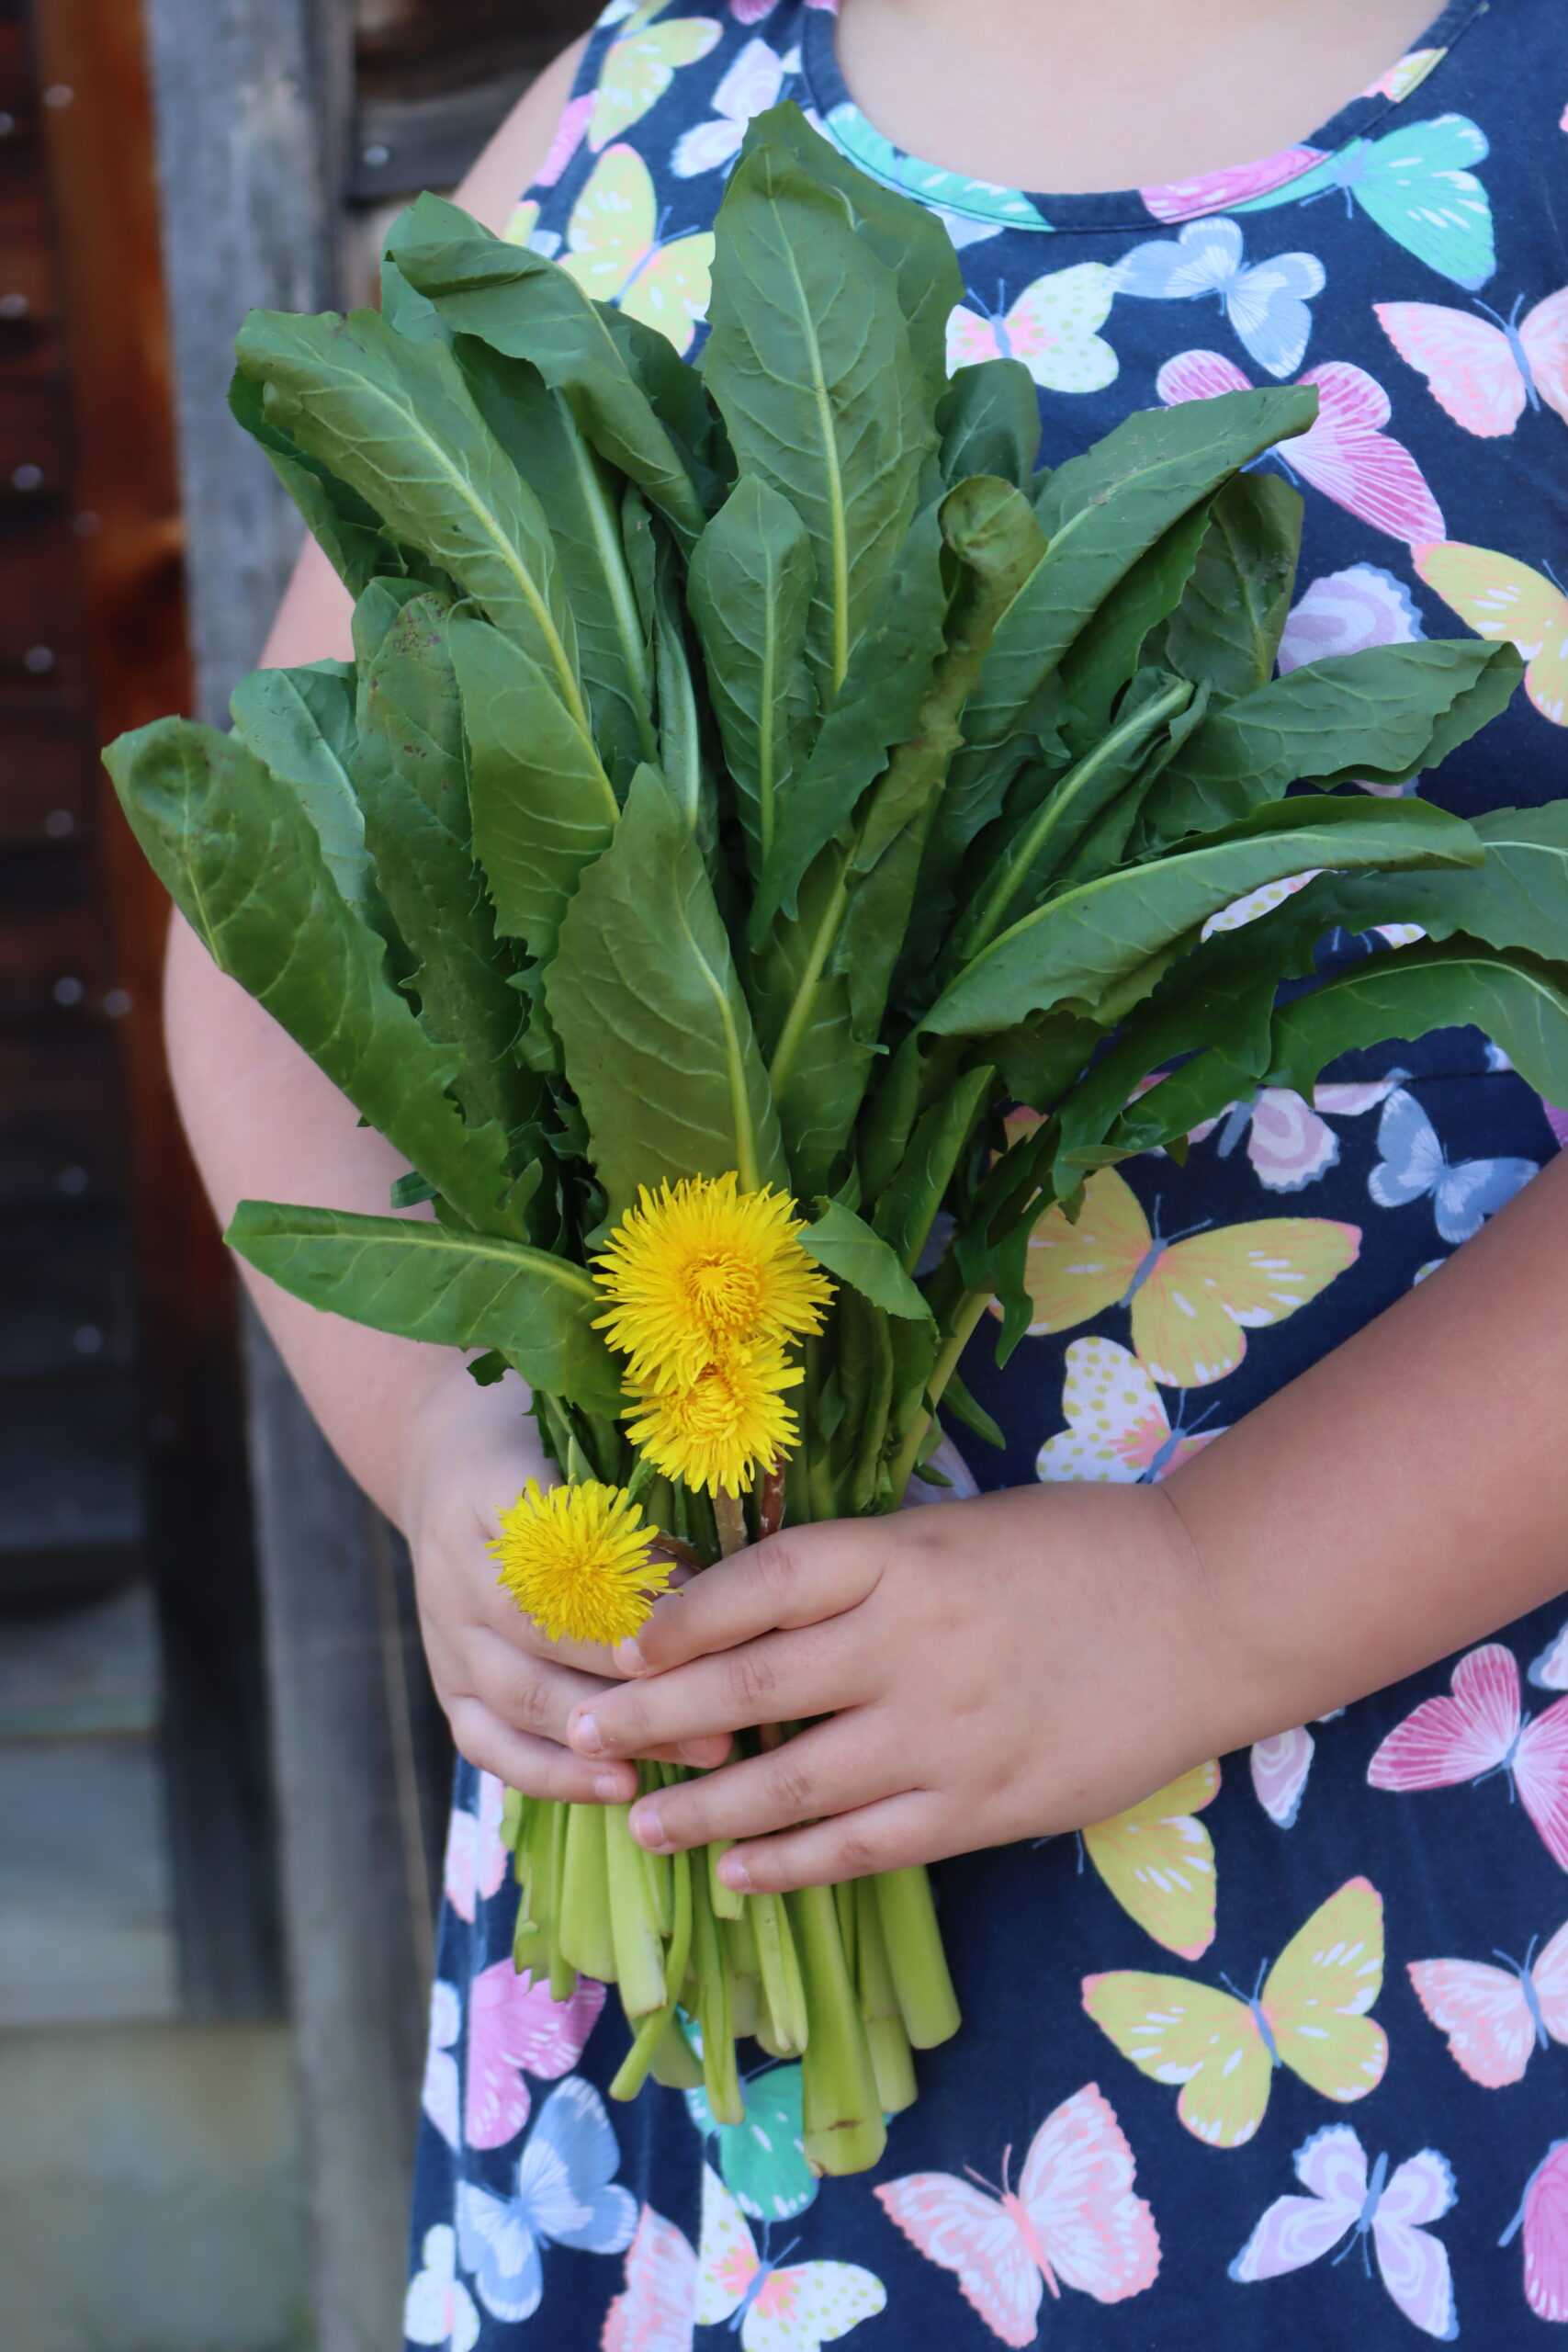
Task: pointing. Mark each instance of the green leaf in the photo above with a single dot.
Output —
(543, 806)
(1103, 659)
(1517, 899)
(889, 675)
(413, 787)
(1084, 948)
(854, 913)
(426, 1282)
(808, 360)
(1519, 1002)
(397, 422)
(682, 755)
(846, 1245)
(1044, 842)
(345, 526)
(989, 422)
(238, 854)
(524, 306)
(299, 723)
(1100, 513)
(957, 1400)
(1356, 715)
(749, 590)
(1225, 632)
(644, 996)
(582, 503)
(907, 238)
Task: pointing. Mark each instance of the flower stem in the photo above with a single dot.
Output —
(916, 1957)
(782, 1991)
(972, 1305)
(890, 2056)
(844, 2131)
(719, 2076)
(584, 1932)
(659, 2042)
(730, 1518)
(633, 1925)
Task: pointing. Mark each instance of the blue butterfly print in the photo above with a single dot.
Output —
(1267, 304)
(566, 2196)
(1416, 185)
(1464, 1193)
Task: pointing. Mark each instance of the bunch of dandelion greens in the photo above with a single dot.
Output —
(753, 780)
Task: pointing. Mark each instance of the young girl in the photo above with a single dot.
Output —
(1302, 2004)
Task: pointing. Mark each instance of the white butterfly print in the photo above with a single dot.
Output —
(438, 2308)
(1052, 327)
(1496, 2019)
(1266, 303)
(754, 82)
(567, 2195)
(773, 2307)
(440, 2095)
(1549, 1671)
(1117, 1428)
(1391, 2213)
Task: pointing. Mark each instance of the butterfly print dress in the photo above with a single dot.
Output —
(1279, 2057)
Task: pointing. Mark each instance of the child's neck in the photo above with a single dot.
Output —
(1088, 94)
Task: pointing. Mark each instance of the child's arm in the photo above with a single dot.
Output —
(435, 1452)
(1032, 1661)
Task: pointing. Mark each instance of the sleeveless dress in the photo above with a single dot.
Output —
(1274, 2060)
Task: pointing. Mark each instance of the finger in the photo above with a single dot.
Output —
(889, 1836)
(706, 1753)
(830, 1769)
(501, 1617)
(780, 1678)
(532, 1694)
(793, 1579)
(537, 1767)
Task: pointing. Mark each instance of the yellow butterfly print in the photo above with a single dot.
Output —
(613, 252)
(1193, 1300)
(1310, 2015)
(1501, 597)
(639, 65)
(1158, 1861)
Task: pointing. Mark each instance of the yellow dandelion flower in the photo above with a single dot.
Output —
(717, 1430)
(576, 1561)
(703, 1271)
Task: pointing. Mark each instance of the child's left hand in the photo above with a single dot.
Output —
(1004, 1667)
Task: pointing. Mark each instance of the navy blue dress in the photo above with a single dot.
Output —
(1275, 2059)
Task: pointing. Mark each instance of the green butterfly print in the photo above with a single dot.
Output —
(763, 2161)
(1417, 184)
(999, 208)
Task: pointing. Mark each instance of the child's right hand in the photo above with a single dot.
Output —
(506, 1690)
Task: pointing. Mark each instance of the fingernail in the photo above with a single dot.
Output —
(647, 1829)
(585, 1736)
(629, 1657)
(608, 1788)
(734, 1873)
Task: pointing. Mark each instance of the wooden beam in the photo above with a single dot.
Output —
(98, 132)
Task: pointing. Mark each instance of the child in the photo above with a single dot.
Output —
(1366, 1475)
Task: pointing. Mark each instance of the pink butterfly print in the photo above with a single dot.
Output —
(1557, 1121)
(1480, 1730)
(1279, 1769)
(1495, 2017)
(1543, 2217)
(514, 2025)
(1392, 2213)
(1217, 191)
(569, 137)
(475, 1859)
(1289, 1144)
(1345, 454)
(1485, 371)
(751, 12)
(1549, 1671)
(658, 2310)
(1073, 2218)
(439, 2097)
(1348, 611)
